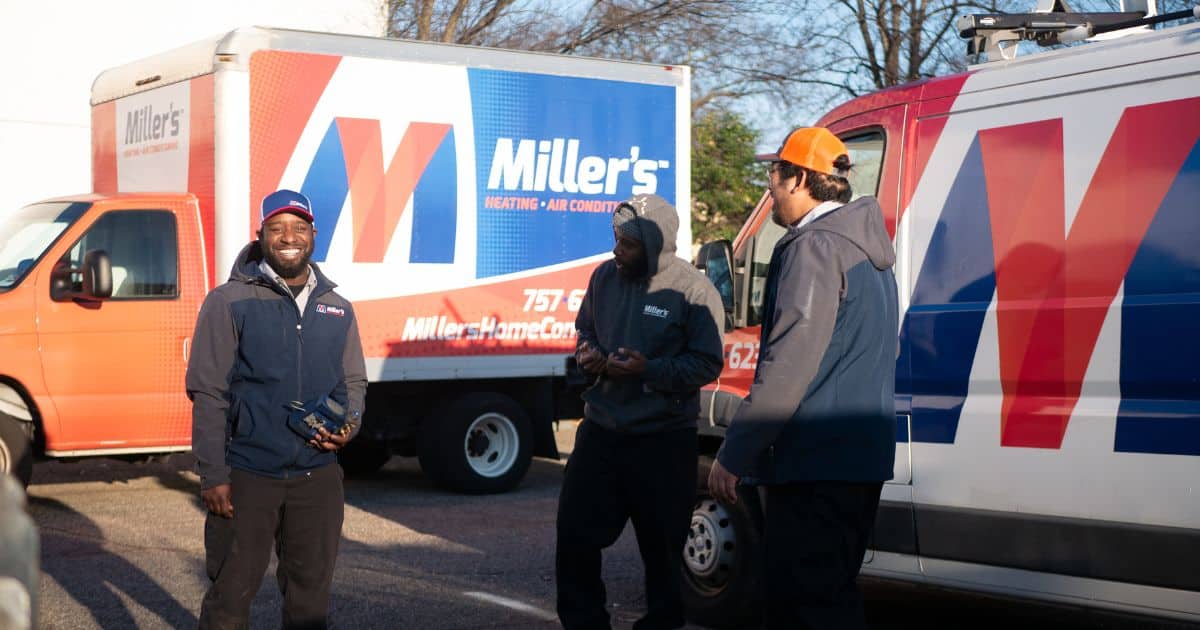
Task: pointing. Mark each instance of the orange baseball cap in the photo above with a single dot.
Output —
(811, 147)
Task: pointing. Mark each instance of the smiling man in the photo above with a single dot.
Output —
(266, 485)
(650, 332)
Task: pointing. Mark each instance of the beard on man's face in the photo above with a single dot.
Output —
(633, 269)
(284, 269)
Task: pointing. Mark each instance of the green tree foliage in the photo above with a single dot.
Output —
(726, 181)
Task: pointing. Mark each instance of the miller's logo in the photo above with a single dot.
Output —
(655, 311)
(144, 124)
(331, 310)
(555, 165)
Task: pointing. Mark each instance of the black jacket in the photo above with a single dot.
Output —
(673, 315)
(253, 353)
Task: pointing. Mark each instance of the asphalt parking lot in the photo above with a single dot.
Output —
(122, 548)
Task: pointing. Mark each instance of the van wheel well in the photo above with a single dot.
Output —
(16, 403)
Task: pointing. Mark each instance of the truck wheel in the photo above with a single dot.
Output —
(363, 457)
(722, 558)
(481, 443)
(16, 455)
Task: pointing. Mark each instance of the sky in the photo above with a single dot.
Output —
(54, 50)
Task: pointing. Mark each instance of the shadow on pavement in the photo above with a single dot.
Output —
(408, 532)
(174, 472)
(80, 540)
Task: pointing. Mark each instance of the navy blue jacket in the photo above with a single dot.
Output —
(253, 353)
(822, 406)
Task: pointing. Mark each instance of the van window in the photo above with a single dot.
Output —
(26, 234)
(760, 258)
(866, 155)
(143, 247)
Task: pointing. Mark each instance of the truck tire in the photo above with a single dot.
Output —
(362, 457)
(16, 454)
(481, 443)
(722, 583)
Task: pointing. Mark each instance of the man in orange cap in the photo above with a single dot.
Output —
(818, 427)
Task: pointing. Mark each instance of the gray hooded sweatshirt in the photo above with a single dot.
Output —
(822, 406)
(673, 315)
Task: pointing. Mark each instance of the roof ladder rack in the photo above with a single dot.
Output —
(997, 35)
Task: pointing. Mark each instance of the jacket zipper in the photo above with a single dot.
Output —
(299, 373)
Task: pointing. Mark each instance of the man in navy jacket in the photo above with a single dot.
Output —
(272, 337)
(818, 427)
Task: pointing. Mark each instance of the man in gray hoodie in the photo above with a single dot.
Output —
(818, 427)
(650, 331)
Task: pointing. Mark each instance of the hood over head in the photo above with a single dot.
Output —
(653, 221)
(861, 222)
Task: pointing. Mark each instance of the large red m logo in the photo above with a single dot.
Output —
(378, 197)
(1054, 287)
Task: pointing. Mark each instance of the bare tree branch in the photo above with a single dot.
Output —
(424, 19)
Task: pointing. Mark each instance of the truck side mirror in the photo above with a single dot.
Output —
(97, 274)
(715, 260)
(95, 278)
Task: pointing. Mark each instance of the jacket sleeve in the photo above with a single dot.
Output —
(214, 348)
(354, 376)
(585, 320)
(703, 355)
(806, 306)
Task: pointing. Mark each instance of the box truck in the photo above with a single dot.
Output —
(1044, 213)
(462, 197)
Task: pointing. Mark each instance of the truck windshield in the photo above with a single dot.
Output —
(26, 234)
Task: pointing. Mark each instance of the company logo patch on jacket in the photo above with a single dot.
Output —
(331, 310)
(655, 311)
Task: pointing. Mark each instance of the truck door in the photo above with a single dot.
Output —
(875, 140)
(114, 368)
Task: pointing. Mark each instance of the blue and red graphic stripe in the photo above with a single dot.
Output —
(1054, 288)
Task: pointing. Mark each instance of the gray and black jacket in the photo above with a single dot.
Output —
(253, 353)
(673, 315)
(822, 406)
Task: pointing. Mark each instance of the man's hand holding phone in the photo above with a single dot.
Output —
(590, 359)
(626, 362)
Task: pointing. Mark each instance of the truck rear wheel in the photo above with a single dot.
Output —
(481, 443)
(722, 557)
(16, 454)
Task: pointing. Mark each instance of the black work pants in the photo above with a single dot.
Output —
(301, 518)
(816, 535)
(612, 478)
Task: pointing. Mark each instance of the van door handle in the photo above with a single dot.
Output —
(187, 346)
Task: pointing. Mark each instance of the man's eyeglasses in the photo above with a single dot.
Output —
(772, 167)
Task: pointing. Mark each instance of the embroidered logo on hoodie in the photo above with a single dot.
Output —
(656, 311)
(331, 310)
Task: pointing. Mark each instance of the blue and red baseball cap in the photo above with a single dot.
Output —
(284, 200)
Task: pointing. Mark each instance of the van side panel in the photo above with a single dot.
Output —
(113, 367)
(104, 147)
(466, 221)
(160, 140)
(19, 347)
(201, 179)
(1160, 376)
(1054, 386)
